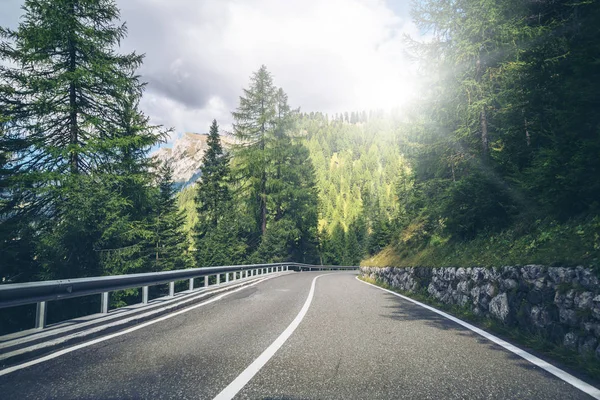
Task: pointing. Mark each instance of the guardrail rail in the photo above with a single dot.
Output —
(40, 293)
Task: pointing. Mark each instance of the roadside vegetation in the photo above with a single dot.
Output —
(545, 242)
(496, 163)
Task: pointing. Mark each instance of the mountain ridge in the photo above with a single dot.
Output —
(186, 155)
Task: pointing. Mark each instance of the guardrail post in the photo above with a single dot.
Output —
(191, 284)
(171, 289)
(226, 277)
(104, 307)
(205, 280)
(40, 315)
(145, 295)
(218, 279)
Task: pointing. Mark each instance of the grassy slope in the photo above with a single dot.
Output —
(548, 243)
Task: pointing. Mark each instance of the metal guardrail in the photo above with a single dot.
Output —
(16, 294)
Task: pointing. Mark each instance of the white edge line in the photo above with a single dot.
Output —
(59, 353)
(238, 383)
(177, 303)
(559, 373)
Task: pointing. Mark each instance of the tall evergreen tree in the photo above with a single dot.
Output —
(253, 127)
(212, 195)
(277, 171)
(169, 242)
(65, 91)
(218, 233)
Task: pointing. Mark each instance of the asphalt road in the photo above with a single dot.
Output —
(355, 342)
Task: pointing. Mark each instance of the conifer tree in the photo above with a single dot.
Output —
(212, 195)
(278, 172)
(169, 242)
(253, 127)
(218, 233)
(65, 91)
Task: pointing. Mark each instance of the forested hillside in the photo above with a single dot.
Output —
(504, 145)
(497, 161)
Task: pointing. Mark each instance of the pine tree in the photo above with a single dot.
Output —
(169, 242)
(218, 233)
(278, 173)
(253, 127)
(212, 195)
(66, 91)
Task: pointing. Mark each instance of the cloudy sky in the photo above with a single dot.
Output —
(328, 55)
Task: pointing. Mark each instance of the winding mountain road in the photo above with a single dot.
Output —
(293, 337)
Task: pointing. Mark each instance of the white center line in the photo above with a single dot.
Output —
(238, 383)
(559, 373)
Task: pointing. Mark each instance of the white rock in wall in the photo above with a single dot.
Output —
(499, 307)
(570, 340)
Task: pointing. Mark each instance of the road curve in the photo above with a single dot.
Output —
(355, 341)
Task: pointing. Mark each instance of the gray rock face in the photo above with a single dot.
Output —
(588, 345)
(554, 301)
(584, 300)
(499, 307)
(186, 155)
(568, 317)
(540, 317)
(570, 340)
(508, 284)
(596, 307)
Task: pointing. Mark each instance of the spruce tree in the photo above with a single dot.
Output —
(66, 91)
(212, 194)
(253, 127)
(169, 246)
(278, 171)
(218, 233)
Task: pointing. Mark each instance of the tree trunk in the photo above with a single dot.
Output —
(73, 134)
(527, 136)
(263, 212)
(484, 134)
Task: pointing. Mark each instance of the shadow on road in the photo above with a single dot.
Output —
(404, 311)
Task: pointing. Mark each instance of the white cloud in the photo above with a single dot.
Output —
(330, 56)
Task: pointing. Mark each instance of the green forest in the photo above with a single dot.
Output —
(496, 162)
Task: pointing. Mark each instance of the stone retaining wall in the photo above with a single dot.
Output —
(563, 304)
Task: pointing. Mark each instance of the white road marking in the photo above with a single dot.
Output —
(238, 383)
(559, 373)
(113, 335)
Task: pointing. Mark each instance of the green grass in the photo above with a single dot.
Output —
(588, 365)
(546, 242)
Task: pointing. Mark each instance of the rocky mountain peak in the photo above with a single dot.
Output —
(186, 155)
